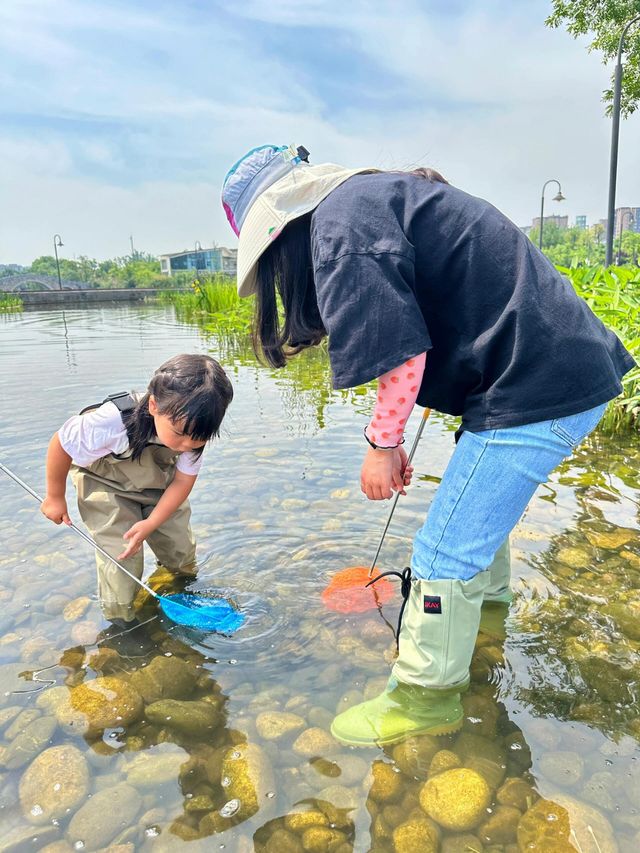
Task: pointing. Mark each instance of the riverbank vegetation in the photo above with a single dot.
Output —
(10, 302)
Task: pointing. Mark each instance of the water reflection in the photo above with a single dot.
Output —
(225, 741)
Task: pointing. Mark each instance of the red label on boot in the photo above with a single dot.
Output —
(432, 604)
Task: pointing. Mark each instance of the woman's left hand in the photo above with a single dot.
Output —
(383, 472)
(135, 536)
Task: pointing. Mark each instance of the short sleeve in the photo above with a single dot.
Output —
(369, 309)
(89, 437)
(189, 463)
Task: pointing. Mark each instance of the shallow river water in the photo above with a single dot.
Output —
(212, 742)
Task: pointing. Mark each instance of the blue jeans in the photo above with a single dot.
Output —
(486, 487)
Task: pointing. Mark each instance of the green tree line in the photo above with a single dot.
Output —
(574, 247)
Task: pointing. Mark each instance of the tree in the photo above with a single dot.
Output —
(603, 21)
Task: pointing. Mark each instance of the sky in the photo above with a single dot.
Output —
(120, 119)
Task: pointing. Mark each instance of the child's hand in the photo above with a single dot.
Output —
(135, 536)
(55, 509)
(382, 473)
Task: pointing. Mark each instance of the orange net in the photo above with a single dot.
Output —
(347, 591)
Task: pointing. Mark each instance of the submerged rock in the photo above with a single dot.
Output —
(387, 784)
(562, 767)
(456, 799)
(416, 836)
(564, 824)
(164, 678)
(103, 816)
(156, 766)
(247, 777)
(415, 754)
(54, 784)
(106, 702)
(273, 725)
(197, 718)
(315, 742)
(29, 742)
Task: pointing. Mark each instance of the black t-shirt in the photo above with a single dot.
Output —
(403, 265)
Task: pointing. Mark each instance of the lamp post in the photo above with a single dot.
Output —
(57, 241)
(197, 248)
(557, 197)
(615, 133)
(622, 218)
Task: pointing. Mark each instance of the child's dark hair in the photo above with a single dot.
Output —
(190, 388)
(286, 268)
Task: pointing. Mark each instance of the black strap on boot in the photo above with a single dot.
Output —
(405, 589)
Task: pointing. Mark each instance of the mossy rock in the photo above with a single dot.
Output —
(563, 825)
(416, 836)
(414, 755)
(465, 843)
(197, 719)
(106, 702)
(247, 777)
(501, 827)
(517, 793)
(387, 782)
(164, 678)
(456, 799)
(274, 725)
(444, 760)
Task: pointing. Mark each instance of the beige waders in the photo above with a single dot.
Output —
(113, 494)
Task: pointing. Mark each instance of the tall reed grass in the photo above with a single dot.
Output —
(10, 302)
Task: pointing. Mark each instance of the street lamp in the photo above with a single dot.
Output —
(198, 248)
(630, 215)
(57, 241)
(557, 197)
(615, 132)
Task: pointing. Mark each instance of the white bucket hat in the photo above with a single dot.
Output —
(265, 190)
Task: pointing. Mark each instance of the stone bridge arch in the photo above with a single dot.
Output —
(36, 281)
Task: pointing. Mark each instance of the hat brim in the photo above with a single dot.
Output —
(288, 199)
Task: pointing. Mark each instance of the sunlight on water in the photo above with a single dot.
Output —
(201, 741)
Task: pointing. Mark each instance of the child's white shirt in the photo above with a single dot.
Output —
(89, 437)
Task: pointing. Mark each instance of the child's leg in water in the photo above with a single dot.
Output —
(173, 543)
(108, 514)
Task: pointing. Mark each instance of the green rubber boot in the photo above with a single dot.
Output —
(497, 595)
(436, 642)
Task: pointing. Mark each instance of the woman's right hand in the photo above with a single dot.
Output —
(55, 509)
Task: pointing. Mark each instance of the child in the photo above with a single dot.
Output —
(134, 460)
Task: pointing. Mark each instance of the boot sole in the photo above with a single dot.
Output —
(436, 731)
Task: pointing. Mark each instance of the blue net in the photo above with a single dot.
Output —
(202, 612)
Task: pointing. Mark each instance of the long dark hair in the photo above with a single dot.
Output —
(190, 388)
(285, 269)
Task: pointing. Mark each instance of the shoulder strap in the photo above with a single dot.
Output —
(123, 401)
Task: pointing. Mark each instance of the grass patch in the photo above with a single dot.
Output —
(10, 302)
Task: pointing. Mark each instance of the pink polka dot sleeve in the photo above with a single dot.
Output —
(397, 393)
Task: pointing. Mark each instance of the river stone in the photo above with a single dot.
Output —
(563, 768)
(273, 725)
(76, 608)
(416, 836)
(564, 824)
(24, 719)
(106, 702)
(29, 742)
(456, 799)
(443, 760)
(480, 714)
(352, 769)
(164, 678)
(197, 718)
(103, 816)
(577, 558)
(501, 827)
(22, 838)
(337, 798)
(8, 715)
(320, 839)
(465, 843)
(315, 742)
(626, 617)
(247, 776)
(54, 783)
(299, 821)
(156, 766)
(386, 784)
(414, 755)
(281, 841)
(612, 539)
(517, 793)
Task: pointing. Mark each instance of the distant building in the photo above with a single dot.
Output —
(560, 221)
(627, 219)
(216, 259)
(525, 229)
(581, 222)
